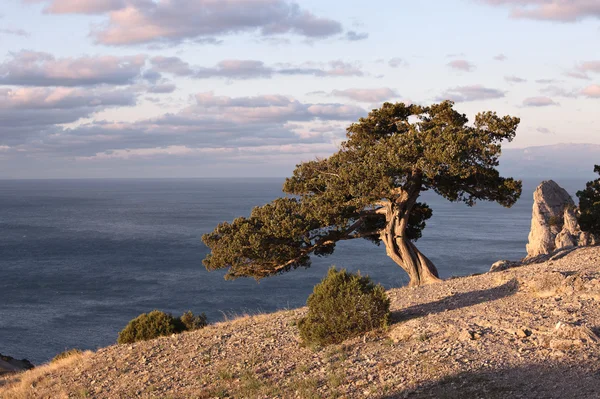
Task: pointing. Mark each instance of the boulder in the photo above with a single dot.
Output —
(554, 222)
(10, 365)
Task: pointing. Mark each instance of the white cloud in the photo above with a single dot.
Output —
(471, 93)
(514, 79)
(367, 95)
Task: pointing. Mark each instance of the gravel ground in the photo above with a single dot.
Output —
(526, 332)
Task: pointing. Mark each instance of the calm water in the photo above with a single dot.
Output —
(80, 258)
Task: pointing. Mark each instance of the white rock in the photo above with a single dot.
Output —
(554, 221)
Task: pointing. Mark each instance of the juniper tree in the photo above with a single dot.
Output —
(589, 205)
(370, 189)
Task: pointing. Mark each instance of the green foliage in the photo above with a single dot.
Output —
(157, 324)
(150, 325)
(192, 322)
(343, 305)
(390, 156)
(554, 220)
(589, 205)
(66, 354)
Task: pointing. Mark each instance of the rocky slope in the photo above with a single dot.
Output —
(526, 332)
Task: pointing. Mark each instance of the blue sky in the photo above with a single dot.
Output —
(212, 88)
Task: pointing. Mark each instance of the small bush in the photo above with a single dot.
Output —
(66, 354)
(554, 220)
(192, 322)
(150, 325)
(343, 305)
(157, 324)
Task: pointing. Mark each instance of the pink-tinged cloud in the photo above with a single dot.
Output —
(552, 10)
(80, 6)
(367, 95)
(471, 93)
(251, 69)
(461, 65)
(63, 98)
(173, 21)
(539, 102)
(592, 91)
(583, 70)
(30, 68)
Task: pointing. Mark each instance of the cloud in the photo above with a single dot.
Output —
(15, 32)
(539, 102)
(356, 36)
(80, 6)
(556, 91)
(397, 62)
(235, 69)
(592, 91)
(162, 88)
(583, 70)
(367, 95)
(332, 69)
(546, 81)
(551, 10)
(462, 65)
(500, 57)
(29, 111)
(251, 69)
(211, 121)
(146, 22)
(471, 93)
(544, 130)
(514, 79)
(29, 68)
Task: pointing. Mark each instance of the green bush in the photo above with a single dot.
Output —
(192, 322)
(150, 325)
(66, 354)
(342, 306)
(157, 324)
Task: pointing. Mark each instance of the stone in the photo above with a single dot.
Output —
(10, 365)
(554, 223)
(500, 266)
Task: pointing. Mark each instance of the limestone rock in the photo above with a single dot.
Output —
(554, 221)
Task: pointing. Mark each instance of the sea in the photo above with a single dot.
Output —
(80, 258)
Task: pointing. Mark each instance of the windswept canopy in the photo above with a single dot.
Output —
(374, 180)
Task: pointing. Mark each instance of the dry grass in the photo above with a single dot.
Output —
(34, 383)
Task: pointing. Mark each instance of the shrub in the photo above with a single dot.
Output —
(343, 305)
(589, 205)
(192, 322)
(157, 324)
(150, 325)
(66, 354)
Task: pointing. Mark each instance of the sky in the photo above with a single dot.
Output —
(250, 88)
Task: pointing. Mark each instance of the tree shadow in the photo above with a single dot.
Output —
(580, 381)
(457, 301)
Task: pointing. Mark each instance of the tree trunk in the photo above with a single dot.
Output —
(420, 269)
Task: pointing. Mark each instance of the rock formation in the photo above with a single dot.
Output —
(9, 364)
(554, 221)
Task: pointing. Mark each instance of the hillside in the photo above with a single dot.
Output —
(524, 332)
